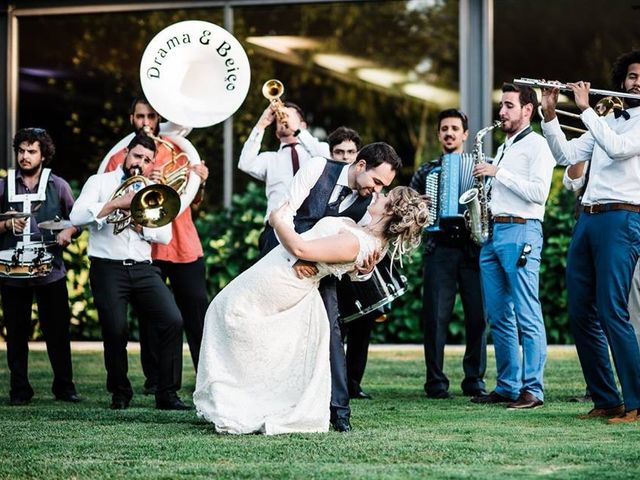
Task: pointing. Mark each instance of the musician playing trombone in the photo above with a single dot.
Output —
(604, 249)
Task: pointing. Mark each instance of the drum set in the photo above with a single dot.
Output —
(357, 299)
(29, 260)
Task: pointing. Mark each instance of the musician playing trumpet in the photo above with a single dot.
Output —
(121, 272)
(33, 189)
(604, 249)
(276, 169)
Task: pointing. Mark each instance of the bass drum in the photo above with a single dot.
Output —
(356, 299)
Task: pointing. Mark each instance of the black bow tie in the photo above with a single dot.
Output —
(618, 112)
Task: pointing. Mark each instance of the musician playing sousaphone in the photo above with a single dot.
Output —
(451, 265)
(182, 259)
(30, 195)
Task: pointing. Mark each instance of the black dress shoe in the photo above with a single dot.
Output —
(19, 401)
(441, 395)
(119, 403)
(492, 397)
(69, 397)
(360, 395)
(475, 393)
(342, 425)
(170, 402)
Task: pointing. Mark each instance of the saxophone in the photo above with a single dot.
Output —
(475, 199)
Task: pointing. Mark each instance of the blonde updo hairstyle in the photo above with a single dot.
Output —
(409, 215)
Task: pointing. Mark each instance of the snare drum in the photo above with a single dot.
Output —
(356, 299)
(25, 263)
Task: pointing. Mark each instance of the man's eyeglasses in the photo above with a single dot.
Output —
(522, 259)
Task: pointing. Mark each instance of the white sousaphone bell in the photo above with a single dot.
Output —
(194, 74)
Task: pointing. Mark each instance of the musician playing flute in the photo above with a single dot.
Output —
(604, 248)
(451, 266)
(33, 189)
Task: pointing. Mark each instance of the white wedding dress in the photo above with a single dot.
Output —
(264, 360)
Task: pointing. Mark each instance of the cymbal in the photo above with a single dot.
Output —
(13, 214)
(55, 225)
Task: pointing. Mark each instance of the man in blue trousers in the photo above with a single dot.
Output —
(518, 182)
(606, 241)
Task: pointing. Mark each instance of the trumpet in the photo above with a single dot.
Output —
(532, 82)
(175, 173)
(272, 90)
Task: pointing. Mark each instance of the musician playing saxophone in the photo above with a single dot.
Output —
(451, 266)
(518, 183)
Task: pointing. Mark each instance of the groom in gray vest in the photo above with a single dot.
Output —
(328, 188)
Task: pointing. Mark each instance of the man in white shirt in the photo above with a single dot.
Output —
(604, 248)
(329, 188)
(121, 273)
(520, 179)
(276, 169)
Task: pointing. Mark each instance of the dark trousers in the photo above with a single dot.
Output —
(54, 317)
(114, 286)
(358, 334)
(189, 287)
(448, 270)
(602, 257)
(339, 389)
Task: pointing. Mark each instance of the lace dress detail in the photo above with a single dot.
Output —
(264, 360)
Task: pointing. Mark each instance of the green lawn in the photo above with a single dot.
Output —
(400, 434)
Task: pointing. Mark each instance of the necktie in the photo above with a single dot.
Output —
(617, 112)
(334, 207)
(295, 161)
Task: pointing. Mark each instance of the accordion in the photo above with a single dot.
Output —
(444, 185)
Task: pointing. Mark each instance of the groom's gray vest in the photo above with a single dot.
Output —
(315, 205)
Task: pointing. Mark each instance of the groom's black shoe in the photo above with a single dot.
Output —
(170, 401)
(360, 395)
(341, 425)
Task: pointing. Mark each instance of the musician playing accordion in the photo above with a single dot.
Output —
(450, 261)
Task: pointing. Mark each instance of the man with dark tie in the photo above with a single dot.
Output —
(276, 169)
(604, 248)
(329, 188)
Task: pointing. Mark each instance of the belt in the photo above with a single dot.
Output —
(127, 262)
(505, 219)
(605, 207)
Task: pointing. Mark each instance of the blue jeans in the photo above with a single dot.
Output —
(513, 309)
(602, 257)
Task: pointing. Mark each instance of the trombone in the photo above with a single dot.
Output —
(533, 82)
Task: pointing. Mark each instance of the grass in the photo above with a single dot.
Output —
(400, 434)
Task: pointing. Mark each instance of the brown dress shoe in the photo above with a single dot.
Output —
(603, 412)
(525, 400)
(627, 417)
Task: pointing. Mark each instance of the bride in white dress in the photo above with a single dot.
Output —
(264, 360)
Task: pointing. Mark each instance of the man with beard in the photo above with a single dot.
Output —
(276, 169)
(604, 248)
(518, 185)
(182, 259)
(330, 188)
(450, 266)
(121, 273)
(33, 189)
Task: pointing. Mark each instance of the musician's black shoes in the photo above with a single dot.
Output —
(72, 397)
(360, 395)
(170, 401)
(341, 425)
(492, 397)
(441, 395)
(19, 401)
(119, 402)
